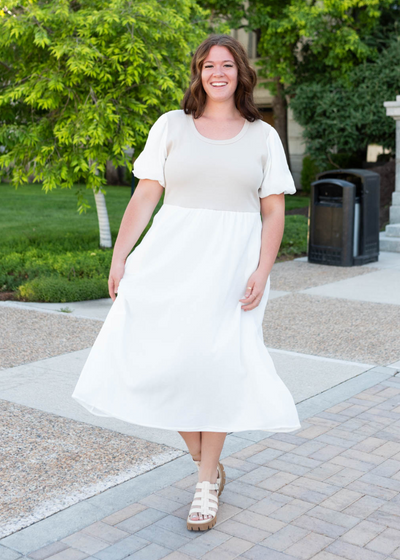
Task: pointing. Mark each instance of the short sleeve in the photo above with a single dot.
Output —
(150, 162)
(277, 178)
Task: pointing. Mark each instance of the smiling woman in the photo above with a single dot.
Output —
(182, 347)
(221, 71)
(219, 79)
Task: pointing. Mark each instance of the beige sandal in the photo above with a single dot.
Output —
(221, 476)
(204, 503)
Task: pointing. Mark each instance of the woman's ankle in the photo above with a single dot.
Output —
(208, 475)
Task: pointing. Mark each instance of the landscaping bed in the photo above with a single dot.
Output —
(50, 253)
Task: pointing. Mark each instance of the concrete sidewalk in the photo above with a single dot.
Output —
(374, 288)
(329, 490)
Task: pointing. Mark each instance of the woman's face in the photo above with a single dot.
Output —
(219, 74)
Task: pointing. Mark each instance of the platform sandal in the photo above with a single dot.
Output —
(203, 503)
(221, 479)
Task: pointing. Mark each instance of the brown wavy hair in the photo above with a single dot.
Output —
(194, 100)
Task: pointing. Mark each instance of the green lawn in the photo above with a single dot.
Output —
(297, 200)
(29, 212)
(49, 252)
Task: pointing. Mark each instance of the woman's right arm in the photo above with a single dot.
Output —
(136, 217)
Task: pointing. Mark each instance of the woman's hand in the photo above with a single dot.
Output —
(116, 273)
(255, 290)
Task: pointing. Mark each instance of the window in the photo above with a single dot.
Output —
(267, 114)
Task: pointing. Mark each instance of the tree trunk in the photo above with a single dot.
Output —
(104, 223)
(279, 106)
(102, 216)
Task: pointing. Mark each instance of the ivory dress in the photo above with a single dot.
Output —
(177, 351)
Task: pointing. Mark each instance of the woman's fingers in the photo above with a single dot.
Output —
(112, 287)
(248, 292)
(249, 295)
(116, 273)
(252, 301)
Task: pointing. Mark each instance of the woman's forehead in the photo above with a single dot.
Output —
(218, 53)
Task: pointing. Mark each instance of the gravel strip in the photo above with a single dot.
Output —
(28, 336)
(334, 328)
(49, 463)
(291, 276)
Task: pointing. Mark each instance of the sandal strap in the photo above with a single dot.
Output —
(198, 497)
(204, 501)
(211, 486)
(201, 506)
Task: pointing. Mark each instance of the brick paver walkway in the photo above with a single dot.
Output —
(330, 490)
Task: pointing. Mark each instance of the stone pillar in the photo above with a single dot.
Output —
(389, 240)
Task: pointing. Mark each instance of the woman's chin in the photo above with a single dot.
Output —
(219, 96)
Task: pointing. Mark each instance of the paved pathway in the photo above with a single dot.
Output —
(329, 490)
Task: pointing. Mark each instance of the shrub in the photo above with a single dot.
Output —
(294, 241)
(57, 289)
(344, 115)
(17, 268)
(308, 173)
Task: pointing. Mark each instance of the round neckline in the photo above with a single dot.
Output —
(212, 141)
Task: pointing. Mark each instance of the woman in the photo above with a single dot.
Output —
(182, 347)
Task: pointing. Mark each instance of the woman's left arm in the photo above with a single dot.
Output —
(273, 225)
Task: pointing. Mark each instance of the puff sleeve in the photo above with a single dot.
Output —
(277, 178)
(150, 162)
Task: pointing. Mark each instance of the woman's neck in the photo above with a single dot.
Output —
(220, 111)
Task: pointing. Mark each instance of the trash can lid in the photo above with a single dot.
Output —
(333, 181)
(351, 171)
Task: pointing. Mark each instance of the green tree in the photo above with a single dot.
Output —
(83, 80)
(307, 41)
(346, 115)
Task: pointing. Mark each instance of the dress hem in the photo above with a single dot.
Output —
(101, 413)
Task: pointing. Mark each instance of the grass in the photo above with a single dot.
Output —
(297, 200)
(49, 252)
(30, 212)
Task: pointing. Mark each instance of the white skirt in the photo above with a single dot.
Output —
(176, 350)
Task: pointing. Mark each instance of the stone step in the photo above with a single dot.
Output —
(386, 243)
(394, 214)
(396, 198)
(392, 230)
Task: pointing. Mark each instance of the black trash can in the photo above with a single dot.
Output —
(332, 223)
(344, 218)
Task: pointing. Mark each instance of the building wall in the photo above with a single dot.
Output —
(263, 100)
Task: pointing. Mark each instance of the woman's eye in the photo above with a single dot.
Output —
(228, 65)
